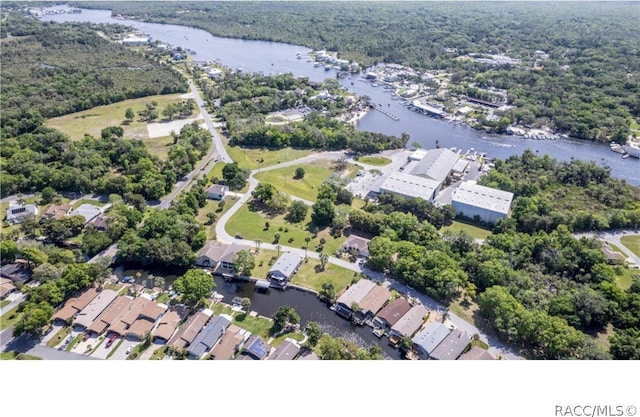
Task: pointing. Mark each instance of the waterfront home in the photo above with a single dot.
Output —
(74, 305)
(210, 254)
(190, 329)
(87, 315)
(255, 348)
(166, 327)
(231, 342)
(107, 316)
(427, 339)
(410, 322)
(284, 268)
(373, 301)
(287, 351)
(452, 346)
(393, 311)
(208, 336)
(354, 294)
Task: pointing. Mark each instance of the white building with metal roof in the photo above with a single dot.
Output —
(410, 186)
(284, 268)
(490, 205)
(436, 164)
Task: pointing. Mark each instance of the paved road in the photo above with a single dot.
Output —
(25, 344)
(614, 237)
(15, 298)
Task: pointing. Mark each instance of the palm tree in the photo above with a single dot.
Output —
(324, 258)
(306, 239)
(278, 247)
(258, 242)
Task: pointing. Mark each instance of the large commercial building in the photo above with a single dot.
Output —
(410, 186)
(490, 205)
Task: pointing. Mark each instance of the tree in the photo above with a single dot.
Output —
(235, 177)
(285, 316)
(306, 247)
(246, 304)
(323, 212)
(129, 115)
(258, 242)
(194, 285)
(243, 262)
(328, 292)
(297, 211)
(314, 333)
(34, 256)
(324, 258)
(8, 250)
(35, 317)
(299, 174)
(47, 195)
(159, 282)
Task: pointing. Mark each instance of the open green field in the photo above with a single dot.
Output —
(159, 146)
(316, 172)
(625, 280)
(632, 243)
(475, 231)
(311, 276)
(250, 225)
(212, 207)
(216, 171)
(375, 160)
(249, 158)
(92, 121)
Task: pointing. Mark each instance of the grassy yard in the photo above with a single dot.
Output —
(475, 231)
(212, 207)
(159, 354)
(625, 280)
(11, 355)
(59, 337)
(374, 160)
(10, 318)
(264, 259)
(291, 335)
(216, 171)
(159, 146)
(632, 243)
(316, 172)
(250, 225)
(249, 158)
(92, 121)
(311, 276)
(256, 325)
(4, 303)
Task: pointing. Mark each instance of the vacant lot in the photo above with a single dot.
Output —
(374, 160)
(254, 158)
(311, 275)
(632, 243)
(475, 231)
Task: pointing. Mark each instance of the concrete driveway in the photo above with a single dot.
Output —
(102, 351)
(121, 352)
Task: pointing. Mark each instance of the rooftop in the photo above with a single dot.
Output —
(189, 330)
(109, 314)
(411, 322)
(476, 354)
(374, 300)
(209, 336)
(488, 198)
(76, 304)
(393, 311)
(95, 308)
(356, 292)
(436, 164)
(287, 351)
(167, 325)
(431, 336)
(410, 185)
(257, 348)
(286, 264)
(452, 346)
(88, 211)
(230, 342)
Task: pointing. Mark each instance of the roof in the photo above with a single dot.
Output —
(418, 154)
(431, 336)
(230, 343)
(487, 198)
(231, 251)
(213, 250)
(57, 211)
(257, 347)
(140, 327)
(88, 211)
(128, 315)
(409, 185)
(375, 299)
(436, 164)
(411, 322)
(209, 336)
(356, 292)
(452, 346)
(167, 325)
(74, 305)
(308, 356)
(476, 353)
(95, 307)
(16, 272)
(461, 165)
(189, 330)
(393, 311)
(287, 351)
(153, 310)
(110, 313)
(217, 189)
(286, 264)
(100, 222)
(356, 242)
(6, 286)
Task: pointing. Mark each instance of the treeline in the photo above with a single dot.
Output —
(548, 193)
(111, 164)
(586, 86)
(56, 69)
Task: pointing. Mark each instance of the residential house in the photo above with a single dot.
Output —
(256, 348)
(16, 213)
(358, 244)
(146, 320)
(56, 211)
(287, 351)
(393, 311)
(452, 346)
(166, 327)
(208, 336)
(354, 294)
(99, 223)
(88, 211)
(408, 324)
(190, 329)
(6, 288)
(106, 317)
(308, 355)
(430, 337)
(476, 353)
(75, 305)
(232, 342)
(374, 300)
(87, 315)
(210, 254)
(283, 269)
(16, 272)
(217, 191)
(128, 316)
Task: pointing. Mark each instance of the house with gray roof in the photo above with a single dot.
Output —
(210, 254)
(16, 213)
(87, 315)
(256, 348)
(354, 294)
(287, 351)
(430, 337)
(190, 329)
(284, 268)
(452, 346)
(217, 191)
(208, 336)
(88, 211)
(410, 322)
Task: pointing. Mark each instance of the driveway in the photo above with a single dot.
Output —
(121, 352)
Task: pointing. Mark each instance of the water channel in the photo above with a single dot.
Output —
(273, 58)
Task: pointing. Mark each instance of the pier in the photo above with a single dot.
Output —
(392, 116)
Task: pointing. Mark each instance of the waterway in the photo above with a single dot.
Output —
(307, 305)
(272, 58)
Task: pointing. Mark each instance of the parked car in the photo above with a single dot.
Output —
(69, 339)
(85, 337)
(129, 349)
(111, 340)
(239, 237)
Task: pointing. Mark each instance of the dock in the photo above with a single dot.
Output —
(392, 116)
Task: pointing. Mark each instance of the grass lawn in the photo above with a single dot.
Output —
(475, 231)
(374, 160)
(257, 325)
(264, 259)
(615, 248)
(216, 170)
(625, 280)
(316, 172)
(163, 298)
(358, 203)
(136, 352)
(10, 318)
(88, 201)
(74, 342)
(249, 158)
(291, 335)
(250, 225)
(159, 353)
(632, 243)
(92, 121)
(4, 303)
(11, 355)
(59, 337)
(212, 207)
(311, 276)
(159, 146)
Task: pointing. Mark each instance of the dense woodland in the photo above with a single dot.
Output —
(588, 87)
(64, 68)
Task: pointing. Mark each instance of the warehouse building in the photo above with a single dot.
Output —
(488, 204)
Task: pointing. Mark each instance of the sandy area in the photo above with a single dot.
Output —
(160, 129)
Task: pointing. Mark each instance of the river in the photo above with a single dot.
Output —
(273, 58)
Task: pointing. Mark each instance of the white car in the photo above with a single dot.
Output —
(129, 349)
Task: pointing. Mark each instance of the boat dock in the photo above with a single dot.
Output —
(392, 116)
